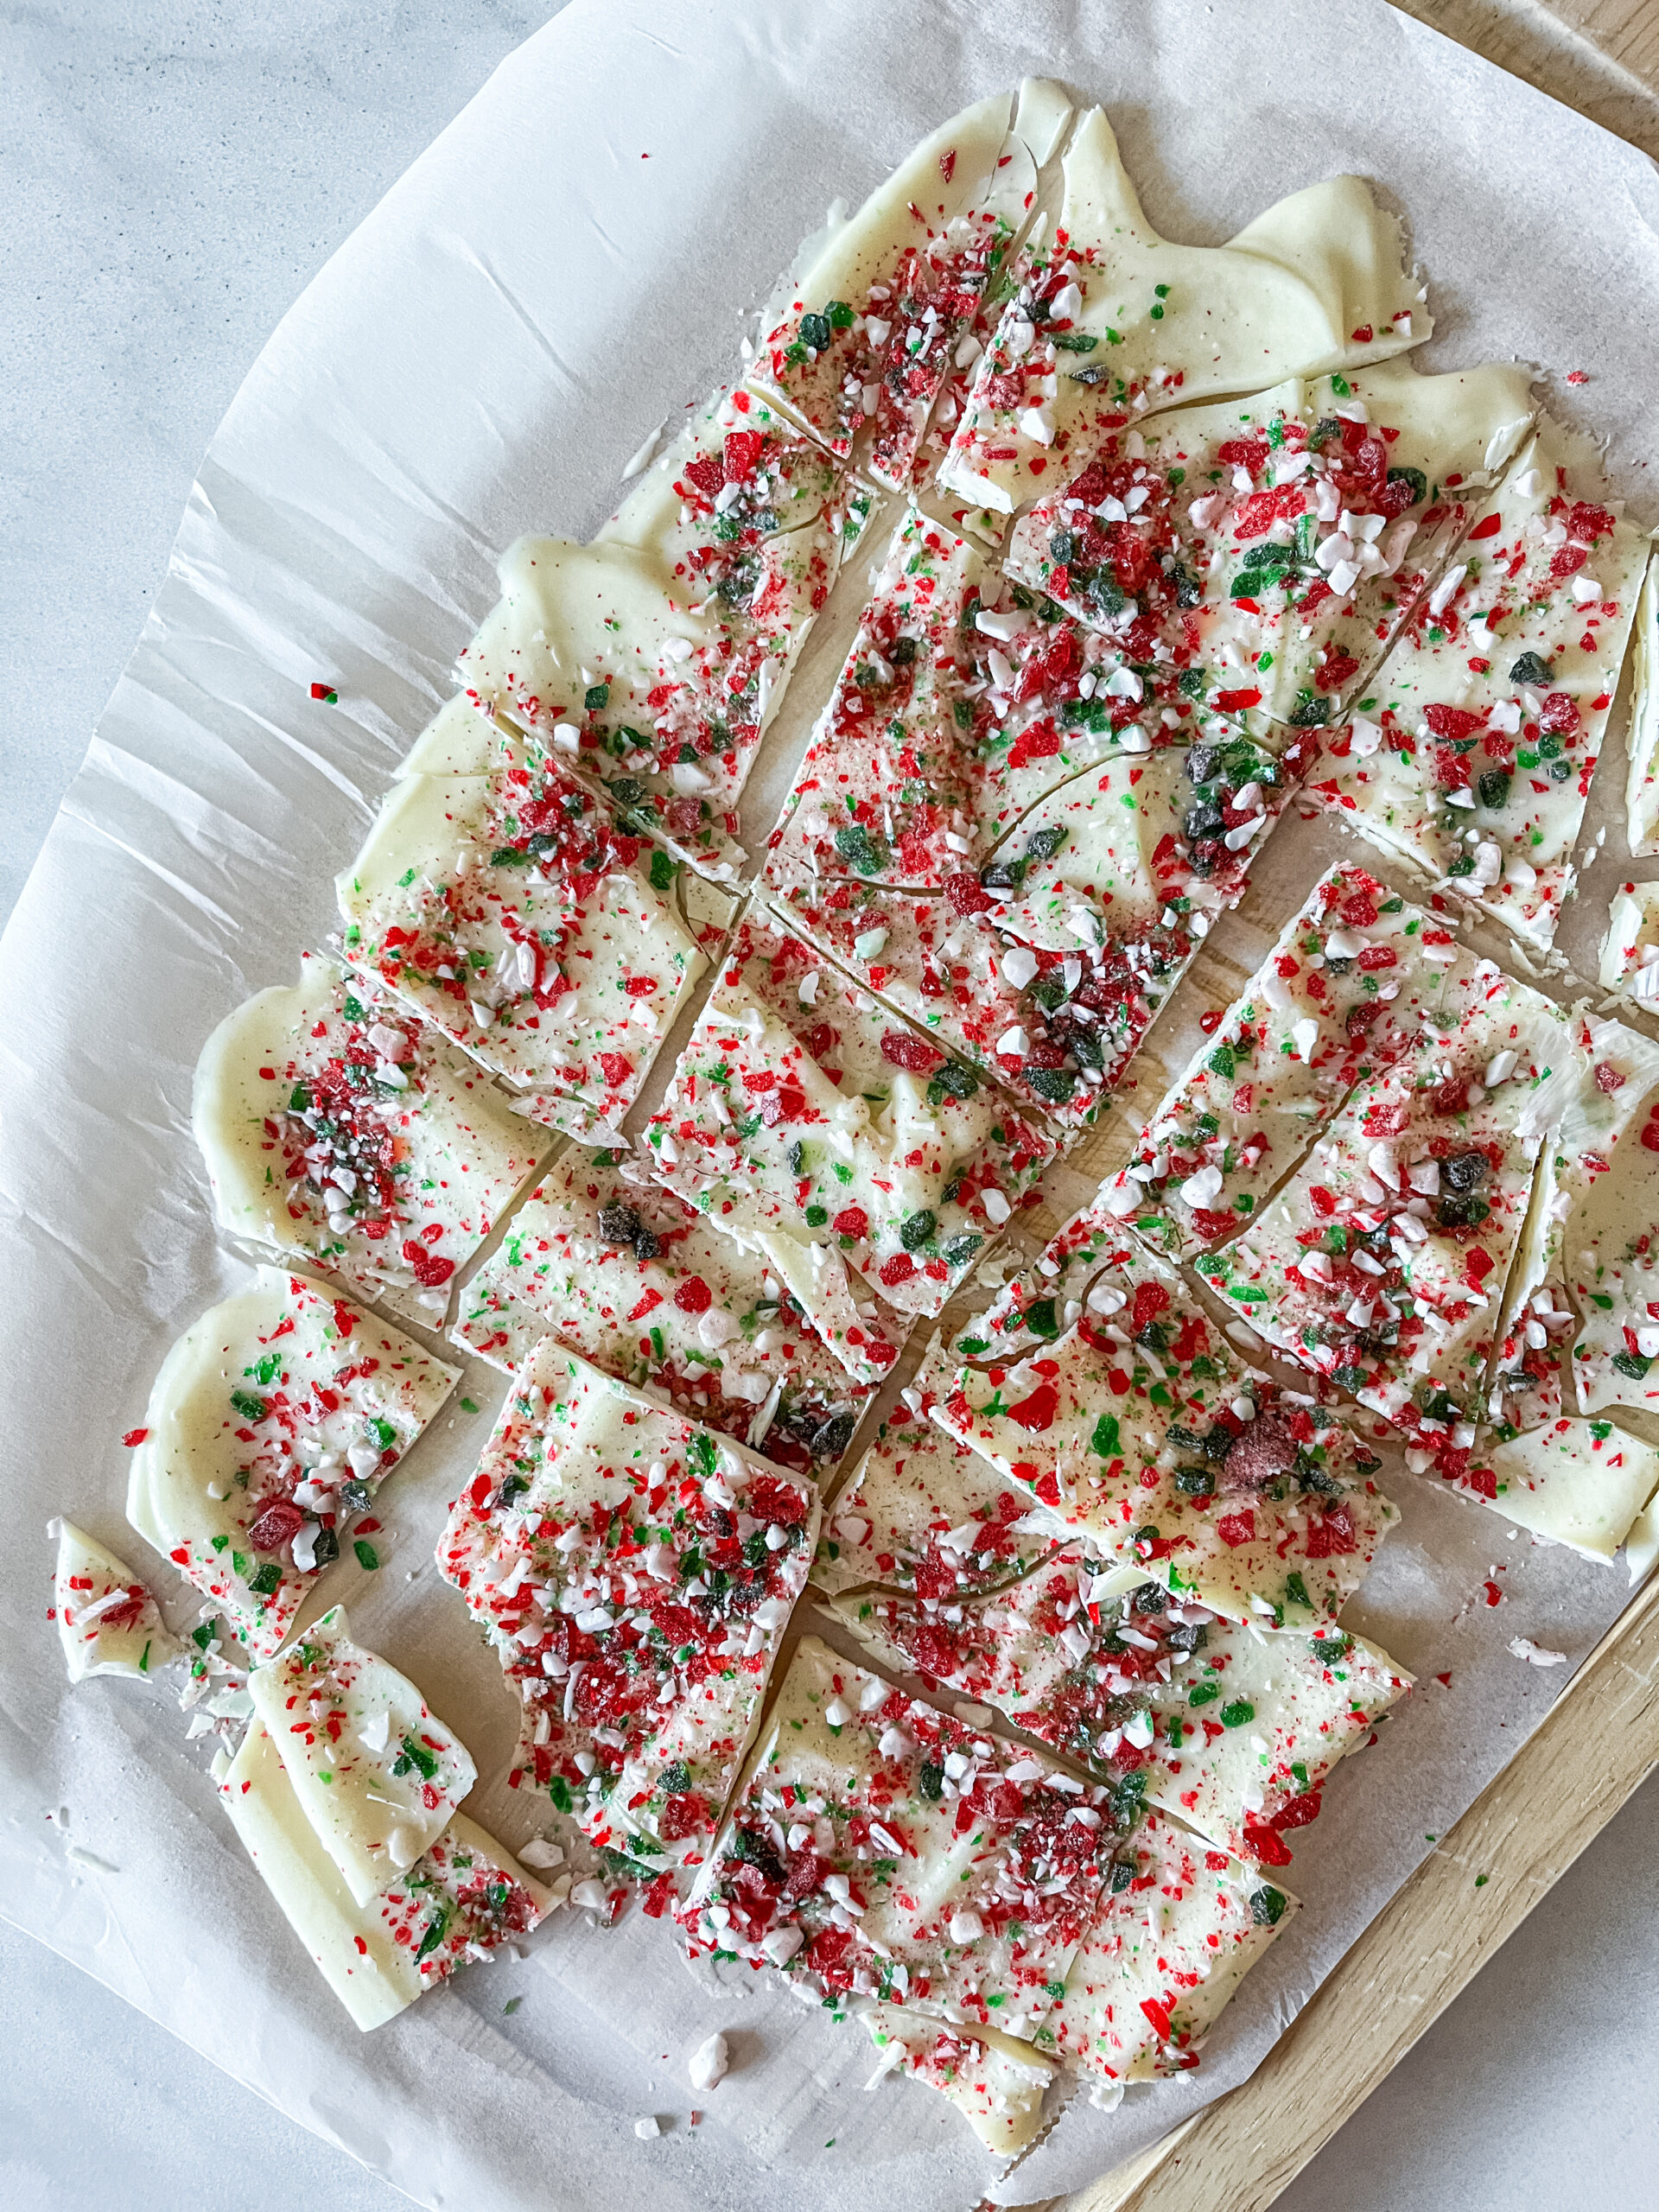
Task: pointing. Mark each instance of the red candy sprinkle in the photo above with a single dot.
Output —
(278, 1524)
(429, 1268)
(915, 1054)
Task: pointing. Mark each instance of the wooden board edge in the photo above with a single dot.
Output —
(1597, 1744)
(1599, 56)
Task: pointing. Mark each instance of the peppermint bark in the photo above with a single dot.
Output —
(1234, 1730)
(830, 1137)
(635, 1574)
(637, 1282)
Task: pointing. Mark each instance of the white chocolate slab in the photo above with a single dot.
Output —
(879, 1847)
(1630, 952)
(1233, 1729)
(800, 1115)
(1315, 283)
(378, 1958)
(1581, 1483)
(655, 659)
(635, 1574)
(332, 1087)
(1269, 549)
(511, 913)
(1116, 1403)
(376, 1772)
(108, 1622)
(1358, 976)
(924, 1513)
(1165, 1955)
(1477, 738)
(637, 1282)
(270, 1426)
(996, 2083)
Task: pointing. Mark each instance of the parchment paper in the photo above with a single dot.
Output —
(567, 265)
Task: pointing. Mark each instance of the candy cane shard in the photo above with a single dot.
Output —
(1266, 550)
(462, 1898)
(1231, 1728)
(1472, 753)
(923, 1513)
(653, 660)
(1178, 1930)
(635, 1574)
(377, 1773)
(995, 2082)
(1641, 784)
(877, 1846)
(1118, 322)
(108, 1622)
(270, 1426)
(888, 310)
(338, 1129)
(637, 1282)
(1103, 1390)
(805, 1122)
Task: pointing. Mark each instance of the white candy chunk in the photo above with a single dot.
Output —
(1201, 1189)
(707, 2063)
(1446, 591)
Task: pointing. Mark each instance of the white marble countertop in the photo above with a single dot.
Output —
(171, 177)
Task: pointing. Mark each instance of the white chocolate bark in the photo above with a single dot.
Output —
(1315, 283)
(376, 1772)
(879, 1847)
(1117, 1403)
(512, 914)
(338, 1130)
(635, 1574)
(636, 1281)
(1629, 953)
(271, 1426)
(466, 1894)
(654, 659)
(995, 2082)
(924, 1513)
(880, 313)
(805, 1122)
(1382, 1262)
(1269, 549)
(1163, 1956)
(1356, 977)
(1581, 1483)
(108, 1622)
(1231, 1728)
(1474, 749)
